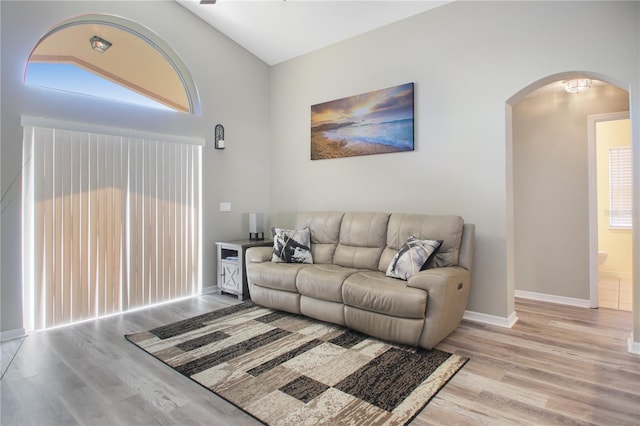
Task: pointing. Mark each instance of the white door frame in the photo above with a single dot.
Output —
(592, 120)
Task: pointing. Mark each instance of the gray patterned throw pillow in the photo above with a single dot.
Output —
(412, 257)
(291, 245)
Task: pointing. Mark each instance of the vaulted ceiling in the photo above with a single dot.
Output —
(278, 30)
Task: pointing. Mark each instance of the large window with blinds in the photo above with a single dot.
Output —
(111, 223)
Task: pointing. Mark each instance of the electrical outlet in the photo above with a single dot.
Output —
(225, 207)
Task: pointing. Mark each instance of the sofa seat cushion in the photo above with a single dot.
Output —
(323, 281)
(375, 292)
(278, 276)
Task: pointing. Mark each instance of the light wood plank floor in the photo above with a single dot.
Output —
(558, 365)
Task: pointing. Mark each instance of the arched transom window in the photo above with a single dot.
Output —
(110, 57)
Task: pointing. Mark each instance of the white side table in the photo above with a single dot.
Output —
(232, 271)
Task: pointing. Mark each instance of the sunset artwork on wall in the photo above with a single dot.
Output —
(371, 123)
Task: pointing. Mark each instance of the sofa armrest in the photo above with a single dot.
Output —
(448, 290)
(258, 254)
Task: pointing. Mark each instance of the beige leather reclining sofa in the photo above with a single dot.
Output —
(347, 284)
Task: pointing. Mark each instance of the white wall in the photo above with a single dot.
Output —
(551, 188)
(236, 95)
(466, 59)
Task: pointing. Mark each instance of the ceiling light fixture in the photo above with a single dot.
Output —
(99, 44)
(578, 85)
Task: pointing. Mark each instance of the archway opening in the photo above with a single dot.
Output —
(559, 165)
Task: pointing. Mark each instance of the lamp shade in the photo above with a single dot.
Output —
(256, 223)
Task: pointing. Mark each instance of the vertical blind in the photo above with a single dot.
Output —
(111, 223)
(620, 187)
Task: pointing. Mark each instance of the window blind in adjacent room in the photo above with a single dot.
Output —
(620, 187)
(111, 223)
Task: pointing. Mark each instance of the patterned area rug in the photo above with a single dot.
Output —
(286, 369)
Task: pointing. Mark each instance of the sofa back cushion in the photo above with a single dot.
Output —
(362, 239)
(424, 227)
(325, 233)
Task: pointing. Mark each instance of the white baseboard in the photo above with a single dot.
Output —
(209, 290)
(560, 300)
(634, 347)
(507, 322)
(7, 335)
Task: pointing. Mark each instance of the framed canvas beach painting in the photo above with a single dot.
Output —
(371, 123)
